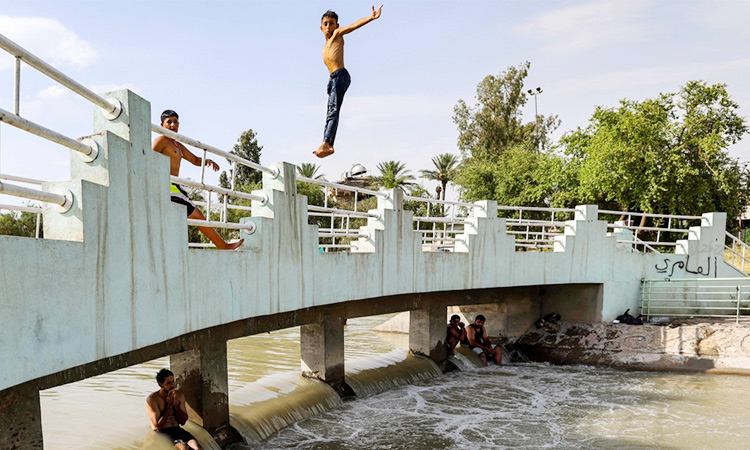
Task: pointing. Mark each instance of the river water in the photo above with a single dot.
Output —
(523, 405)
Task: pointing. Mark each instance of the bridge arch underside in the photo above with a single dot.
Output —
(510, 312)
(199, 359)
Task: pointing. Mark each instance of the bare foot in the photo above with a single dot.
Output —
(324, 150)
(234, 245)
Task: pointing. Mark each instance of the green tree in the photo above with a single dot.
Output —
(310, 170)
(503, 158)
(393, 175)
(247, 178)
(23, 223)
(445, 170)
(664, 155)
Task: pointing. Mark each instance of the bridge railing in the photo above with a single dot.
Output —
(535, 228)
(696, 297)
(737, 253)
(440, 223)
(86, 147)
(339, 221)
(662, 237)
(224, 194)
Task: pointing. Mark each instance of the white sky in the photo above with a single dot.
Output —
(227, 66)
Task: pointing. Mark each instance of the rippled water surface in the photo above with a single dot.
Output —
(517, 406)
(537, 406)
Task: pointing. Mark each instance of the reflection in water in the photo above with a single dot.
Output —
(520, 406)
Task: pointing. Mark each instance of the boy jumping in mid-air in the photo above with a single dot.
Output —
(176, 153)
(338, 83)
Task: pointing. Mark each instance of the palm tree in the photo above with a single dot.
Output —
(309, 170)
(445, 170)
(393, 175)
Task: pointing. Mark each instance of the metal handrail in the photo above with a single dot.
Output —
(64, 201)
(442, 202)
(447, 220)
(340, 212)
(220, 206)
(209, 148)
(207, 187)
(30, 209)
(634, 227)
(534, 208)
(111, 106)
(342, 186)
(20, 179)
(89, 149)
(662, 216)
(250, 226)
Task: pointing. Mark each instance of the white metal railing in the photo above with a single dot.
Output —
(64, 201)
(657, 239)
(111, 106)
(30, 209)
(737, 253)
(345, 217)
(450, 219)
(20, 179)
(533, 233)
(209, 189)
(696, 297)
(86, 147)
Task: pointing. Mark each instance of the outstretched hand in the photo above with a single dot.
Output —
(376, 13)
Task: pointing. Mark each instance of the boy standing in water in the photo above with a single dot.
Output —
(338, 83)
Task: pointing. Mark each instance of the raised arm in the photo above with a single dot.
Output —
(348, 29)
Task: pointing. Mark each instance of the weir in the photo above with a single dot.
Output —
(114, 283)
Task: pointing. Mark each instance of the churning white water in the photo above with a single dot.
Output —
(537, 406)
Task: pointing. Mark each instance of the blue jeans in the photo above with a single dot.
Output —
(337, 86)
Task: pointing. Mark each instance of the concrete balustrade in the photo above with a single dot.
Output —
(114, 284)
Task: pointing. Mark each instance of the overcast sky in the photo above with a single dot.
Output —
(227, 66)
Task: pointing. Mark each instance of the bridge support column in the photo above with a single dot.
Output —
(21, 418)
(322, 351)
(201, 375)
(427, 331)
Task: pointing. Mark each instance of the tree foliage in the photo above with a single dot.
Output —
(444, 172)
(247, 178)
(663, 155)
(23, 223)
(504, 159)
(393, 175)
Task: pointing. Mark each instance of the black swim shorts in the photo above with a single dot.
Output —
(178, 195)
(177, 435)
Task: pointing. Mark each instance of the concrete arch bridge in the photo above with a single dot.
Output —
(114, 283)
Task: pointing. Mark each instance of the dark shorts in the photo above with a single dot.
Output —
(177, 435)
(178, 195)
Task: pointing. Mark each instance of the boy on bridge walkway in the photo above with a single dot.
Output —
(338, 83)
(176, 153)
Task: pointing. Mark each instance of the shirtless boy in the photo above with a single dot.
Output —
(456, 333)
(167, 411)
(338, 83)
(176, 153)
(479, 342)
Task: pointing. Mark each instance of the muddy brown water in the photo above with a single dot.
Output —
(523, 405)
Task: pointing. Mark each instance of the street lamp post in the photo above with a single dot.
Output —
(536, 112)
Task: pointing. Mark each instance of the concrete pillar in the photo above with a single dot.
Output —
(21, 418)
(201, 375)
(427, 331)
(322, 351)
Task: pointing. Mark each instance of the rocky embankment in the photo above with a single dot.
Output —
(704, 347)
